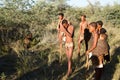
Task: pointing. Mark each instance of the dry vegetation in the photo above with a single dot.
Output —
(42, 60)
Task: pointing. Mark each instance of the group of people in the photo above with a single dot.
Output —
(95, 38)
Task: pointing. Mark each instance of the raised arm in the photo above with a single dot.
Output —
(70, 31)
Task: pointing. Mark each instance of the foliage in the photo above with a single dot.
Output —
(41, 60)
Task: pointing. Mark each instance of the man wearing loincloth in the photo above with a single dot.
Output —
(83, 33)
(61, 35)
(69, 32)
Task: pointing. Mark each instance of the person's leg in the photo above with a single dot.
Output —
(87, 56)
(60, 45)
(98, 73)
(87, 36)
(60, 42)
(99, 68)
(100, 59)
(107, 57)
(86, 44)
(79, 46)
(69, 56)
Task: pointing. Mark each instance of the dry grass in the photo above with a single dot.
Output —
(42, 59)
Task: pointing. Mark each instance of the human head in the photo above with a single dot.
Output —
(60, 15)
(83, 17)
(92, 26)
(99, 24)
(65, 23)
(28, 34)
(102, 31)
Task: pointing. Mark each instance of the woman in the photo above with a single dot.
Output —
(98, 48)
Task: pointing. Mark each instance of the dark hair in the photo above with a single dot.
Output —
(103, 31)
(84, 16)
(93, 24)
(61, 14)
(100, 23)
(64, 21)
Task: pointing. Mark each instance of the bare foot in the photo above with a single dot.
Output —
(69, 73)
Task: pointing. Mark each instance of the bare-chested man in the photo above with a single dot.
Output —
(60, 33)
(69, 32)
(83, 33)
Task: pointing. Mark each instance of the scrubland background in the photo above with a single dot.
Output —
(42, 60)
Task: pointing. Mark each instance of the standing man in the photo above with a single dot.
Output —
(69, 33)
(83, 33)
(60, 33)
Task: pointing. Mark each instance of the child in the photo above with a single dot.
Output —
(103, 36)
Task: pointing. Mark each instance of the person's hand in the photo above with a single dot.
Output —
(62, 28)
(87, 52)
(58, 30)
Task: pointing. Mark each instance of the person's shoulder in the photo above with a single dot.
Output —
(71, 27)
(64, 19)
(59, 21)
(81, 23)
(87, 22)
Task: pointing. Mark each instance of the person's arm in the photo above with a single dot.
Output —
(69, 32)
(80, 30)
(58, 26)
(94, 43)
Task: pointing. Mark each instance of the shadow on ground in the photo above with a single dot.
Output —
(46, 72)
(8, 65)
(110, 68)
(55, 71)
